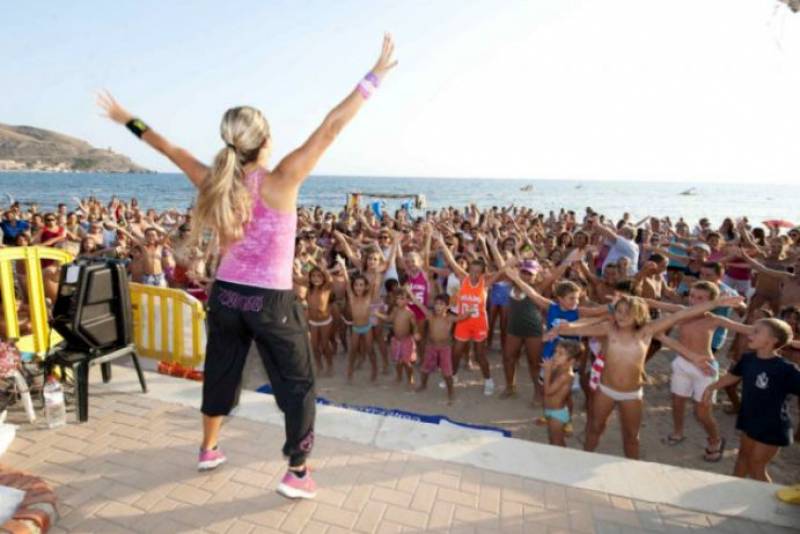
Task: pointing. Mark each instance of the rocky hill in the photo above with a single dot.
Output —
(24, 148)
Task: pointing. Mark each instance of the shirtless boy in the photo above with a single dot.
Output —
(438, 349)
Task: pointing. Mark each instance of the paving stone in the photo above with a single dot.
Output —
(131, 469)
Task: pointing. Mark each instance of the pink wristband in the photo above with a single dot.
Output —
(362, 88)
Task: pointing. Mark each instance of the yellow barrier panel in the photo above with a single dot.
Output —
(37, 341)
(173, 330)
(160, 330)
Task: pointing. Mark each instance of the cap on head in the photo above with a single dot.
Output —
(530, 266)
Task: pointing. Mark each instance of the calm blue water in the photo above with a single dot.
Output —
(716, 201)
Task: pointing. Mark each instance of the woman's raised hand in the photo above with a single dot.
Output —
(386, 61)
(112, 109)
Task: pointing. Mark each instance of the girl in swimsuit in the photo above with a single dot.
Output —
(320, 317)
(359, 300)
(628, 335)
(375, 267)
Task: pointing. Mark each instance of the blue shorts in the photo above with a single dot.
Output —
(561, 415)
(500, 295)
(362, 329)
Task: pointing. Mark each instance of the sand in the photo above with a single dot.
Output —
(517, 415)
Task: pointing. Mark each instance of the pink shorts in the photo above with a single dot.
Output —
(404, 350)
(438, 357)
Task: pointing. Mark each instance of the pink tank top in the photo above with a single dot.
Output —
(264, 256)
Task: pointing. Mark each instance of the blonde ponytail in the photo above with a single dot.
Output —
(223, 200)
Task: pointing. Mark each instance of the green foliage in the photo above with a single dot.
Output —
(83, 164)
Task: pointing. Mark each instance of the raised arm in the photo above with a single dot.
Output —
(534, 295)
(185, 161)
(395, 252)
(760, 267)
(736, 326)
(666, 306)
(665, 323)
(346, 276)
(605, 230)
(426, 247)
(496, 256)
(451, 261)
(296, 166)
(348, 251)
(559, 271)
(590, 327)
(135, 239)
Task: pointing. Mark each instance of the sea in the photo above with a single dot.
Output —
(716, 201)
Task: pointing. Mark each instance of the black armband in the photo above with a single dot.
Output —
(137, 127)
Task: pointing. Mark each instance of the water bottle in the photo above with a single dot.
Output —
(55, 409)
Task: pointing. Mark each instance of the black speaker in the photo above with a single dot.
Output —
(93, 307)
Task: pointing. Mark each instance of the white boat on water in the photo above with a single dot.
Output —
(527, 188)
(690, 191)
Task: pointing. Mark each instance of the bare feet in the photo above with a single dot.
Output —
(508, 393)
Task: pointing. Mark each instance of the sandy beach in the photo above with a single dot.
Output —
(517, 415)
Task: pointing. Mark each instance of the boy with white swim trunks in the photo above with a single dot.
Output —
(694, 371)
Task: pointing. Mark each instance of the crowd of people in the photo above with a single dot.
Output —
(588, 299)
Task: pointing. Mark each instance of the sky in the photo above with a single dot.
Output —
(682, 90)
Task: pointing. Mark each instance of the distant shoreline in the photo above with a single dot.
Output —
(71, 171)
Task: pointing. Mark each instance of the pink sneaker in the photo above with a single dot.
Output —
(295, 487)
(210, 459)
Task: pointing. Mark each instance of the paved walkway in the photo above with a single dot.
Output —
(131, 468)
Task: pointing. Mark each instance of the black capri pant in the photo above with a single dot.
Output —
(275, 320)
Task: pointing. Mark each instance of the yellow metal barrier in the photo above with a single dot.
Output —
(37, 341)
(168, 324)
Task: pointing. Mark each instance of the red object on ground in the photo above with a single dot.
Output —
(176, 369)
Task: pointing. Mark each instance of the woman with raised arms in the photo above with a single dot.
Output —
(252, 209)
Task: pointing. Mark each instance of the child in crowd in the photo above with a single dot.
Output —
(558, 378)
(438, 349)
(320, 316)
(627, 336)
(767, 380)
(360, 346)
(403, 347)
